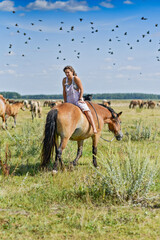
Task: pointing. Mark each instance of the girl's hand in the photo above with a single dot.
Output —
(81, 100)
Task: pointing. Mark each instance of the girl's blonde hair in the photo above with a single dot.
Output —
(71, 69)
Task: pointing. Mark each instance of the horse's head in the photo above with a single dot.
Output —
(114, 125)
(22, 107)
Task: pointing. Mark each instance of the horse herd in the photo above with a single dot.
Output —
(10, 108)
(66, 121)
(140, 103)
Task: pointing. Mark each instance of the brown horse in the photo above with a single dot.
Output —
(66, 121)
(12, 110)
(2, 110)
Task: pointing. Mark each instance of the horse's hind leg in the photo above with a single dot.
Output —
(59, 153)
(15, 120)
(3, 121)
(79, 152)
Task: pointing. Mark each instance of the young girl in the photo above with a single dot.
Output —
(73, 93)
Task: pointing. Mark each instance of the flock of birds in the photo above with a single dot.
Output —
(93, 30)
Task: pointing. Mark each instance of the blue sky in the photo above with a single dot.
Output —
(119, 52)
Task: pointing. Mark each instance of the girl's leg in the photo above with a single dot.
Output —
(91, 121)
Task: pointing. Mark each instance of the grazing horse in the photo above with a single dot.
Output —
(2, 110)
(151, 104)
(12, 110)
(66, 121)
(26, 104)
(106, 103)
(36, 109)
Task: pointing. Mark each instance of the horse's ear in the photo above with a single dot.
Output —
(119, 114)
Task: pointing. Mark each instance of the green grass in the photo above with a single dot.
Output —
(83, 203)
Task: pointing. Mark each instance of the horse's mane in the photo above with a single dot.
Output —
(114, 114)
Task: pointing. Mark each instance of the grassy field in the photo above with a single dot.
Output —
(119, 200)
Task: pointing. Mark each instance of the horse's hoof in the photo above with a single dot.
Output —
(73, 163)
(95, 164)
(71, 167)
(63, 167)
(54, 172)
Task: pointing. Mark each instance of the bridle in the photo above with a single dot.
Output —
(99, 124)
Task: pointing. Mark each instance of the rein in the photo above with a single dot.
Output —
(107, 140)
(99, 124)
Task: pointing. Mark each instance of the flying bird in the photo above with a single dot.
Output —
(143, 18)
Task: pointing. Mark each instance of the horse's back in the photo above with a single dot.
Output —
(71, 121)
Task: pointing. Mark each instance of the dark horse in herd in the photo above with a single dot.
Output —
(67, 122)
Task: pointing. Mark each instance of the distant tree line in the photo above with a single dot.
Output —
(15, 95)
(11, 95)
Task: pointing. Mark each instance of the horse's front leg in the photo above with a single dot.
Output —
(32, 114)
(79, 152)
(6, 116)
(95, 139)
(15, 121)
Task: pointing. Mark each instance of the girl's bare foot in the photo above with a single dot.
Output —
(95, 131)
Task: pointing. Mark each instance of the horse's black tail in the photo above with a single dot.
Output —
(49, 137)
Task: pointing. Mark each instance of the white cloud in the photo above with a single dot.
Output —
(2, 72)
(11, 53)
(108, 59)
(22, 14)
(70, 5)
(156, 74)
(7, 6)
(107, 4)
(106, 67)
(11, 72)
(130, 58)
(12, 65)
(129, 67)
(128, 2)
(119, 76)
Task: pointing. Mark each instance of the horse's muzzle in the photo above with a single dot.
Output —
(119, 136)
